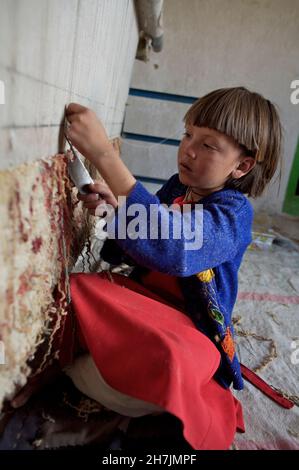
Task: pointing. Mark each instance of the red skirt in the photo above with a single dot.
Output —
(144, 346)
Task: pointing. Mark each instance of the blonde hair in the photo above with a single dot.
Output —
(253, 122)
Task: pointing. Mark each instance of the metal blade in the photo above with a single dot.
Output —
(79, 174)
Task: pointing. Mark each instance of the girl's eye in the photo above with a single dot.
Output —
(209, 147)
(186, 134)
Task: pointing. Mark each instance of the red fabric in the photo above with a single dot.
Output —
(148, 349)
(179, 200)
(165, 286)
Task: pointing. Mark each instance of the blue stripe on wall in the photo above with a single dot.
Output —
(150, 138)
(148, 179)
(157, 95)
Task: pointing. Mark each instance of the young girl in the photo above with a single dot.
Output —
(162, 338)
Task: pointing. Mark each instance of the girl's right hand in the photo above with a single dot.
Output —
(99, 194)
(88, 134)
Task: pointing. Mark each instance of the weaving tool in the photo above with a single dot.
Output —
(76, 168)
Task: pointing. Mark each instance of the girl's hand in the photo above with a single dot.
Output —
(100, 193)
(89, 136)
(87, 133)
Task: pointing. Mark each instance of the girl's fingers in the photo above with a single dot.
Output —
(101, 188)
(98, 192)
(88, 197)
(104, 191)
(74, 108)
(94, 204)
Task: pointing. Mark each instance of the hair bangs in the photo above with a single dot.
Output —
(229, 111)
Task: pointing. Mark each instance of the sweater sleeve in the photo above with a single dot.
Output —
(112, 252)
(220, 228)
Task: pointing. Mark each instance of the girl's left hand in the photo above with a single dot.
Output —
(87, 133)
(100, 194)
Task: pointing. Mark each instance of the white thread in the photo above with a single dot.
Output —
(73, 59)
(44, 82)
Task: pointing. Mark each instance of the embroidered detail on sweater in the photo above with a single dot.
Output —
(216, 315)
(206, 276)
(222, 330)
(228, 345)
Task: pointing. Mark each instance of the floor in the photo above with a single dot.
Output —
(267, 327)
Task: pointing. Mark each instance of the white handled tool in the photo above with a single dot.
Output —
(77, 171)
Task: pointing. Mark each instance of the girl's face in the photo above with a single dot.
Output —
(206, 158)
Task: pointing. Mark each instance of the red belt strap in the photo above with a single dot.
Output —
(259, 383)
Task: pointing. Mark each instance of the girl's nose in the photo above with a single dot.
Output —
(191, 152)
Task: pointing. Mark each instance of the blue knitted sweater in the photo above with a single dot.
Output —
(208, 276)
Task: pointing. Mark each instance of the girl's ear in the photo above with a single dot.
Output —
(244, 166)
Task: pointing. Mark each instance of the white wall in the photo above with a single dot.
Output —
(211, 44)
(56, 51)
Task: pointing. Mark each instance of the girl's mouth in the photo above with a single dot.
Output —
(184, 167)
